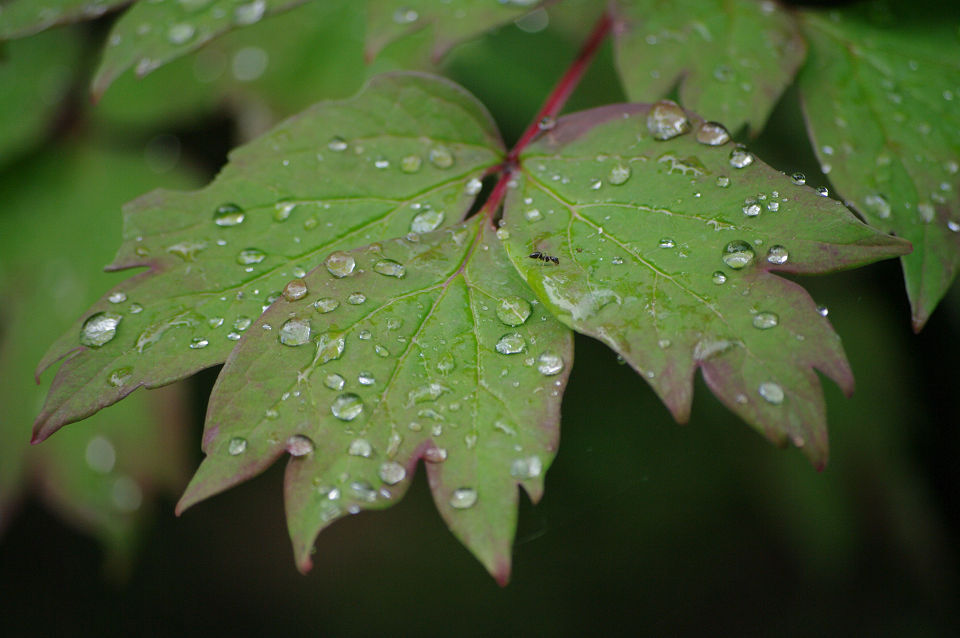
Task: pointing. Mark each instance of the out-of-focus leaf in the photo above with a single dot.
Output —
(452, 22)
(20, 18)
(405, 155)
(55, 237)
(426, 347)
(881, 93)
(666, 251)
(731, 58)
(153, 33)
(35, 75)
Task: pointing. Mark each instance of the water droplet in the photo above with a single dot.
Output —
(712, 134)
(549, 364)
(527, 468)
(441, 157)
(181, 33)
(187, 250)
(364, 335)
(823, 311)
(799, 179)
(295, 289)
(405, 15)
(765, 320)
(953, 226)
(390, 268)
(667, 120)
(463, 498)
(617, 261)
(250, 256)
(513, 310)
(347, 406)
(356, 298)
(511, 343)
(326, 304)
(773, 206)
(381, 351)
(666, 242)
(120, 376)
(334, 381)
(360, 447)
(236, 446)
(823, 191)
(719, 278)
(446, 363)
(135, 309)
(619, 174)
(426, 221)
(473, 187)
(392, 473)
(381, 163)
(299, 445)
(228, 215)
(99, 329)
(337, 144)
(366, 378)
(411, 164)
(340, 264)
(777, 255)
(751, 207)
(294, 332)
(117, 297)
(198, 342)
(364, 491)
(533, 215)
(740, 157)
(772, 392)
(329, 348)
(546, 123)
(282, 211)
(738, 254)
(435, 455)
(723, 181)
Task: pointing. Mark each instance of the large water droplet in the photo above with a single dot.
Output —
(299, 445)
(619, 174)
(295, 289)
(99, 328)
(549, 364)
(392, 473)
(463, 498)
(765, 320)
(777, 255)
(738, 254)
(712, 134)
(340, 264)
(250, 256)
(236, 446)
(527, 468)
(390, 268)
(667, 120)
(511, 343)
(513, 310)
(294, 332)
(772, 392)
(228, 215)
(740, 157)
(441, 157)
(347, 406)
(426, 221)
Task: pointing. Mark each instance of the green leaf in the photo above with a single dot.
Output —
(19, 18)
(666, 252)
(404, 155)
(452, 22)
(881, 91)
(731, 58)
(35, 75)
(153, 33)
(431, 347)
(100, 476)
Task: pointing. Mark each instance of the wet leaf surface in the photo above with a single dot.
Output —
(425, 347)
(881, 92)
(659, 236)
(731, 59)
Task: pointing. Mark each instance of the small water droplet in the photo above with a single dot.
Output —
(435, 455)
(340, 264)
(719, 278)
(392, 473)
(446, 363)
(463, 498)
(299, 445)
(99, 329)
(366, 378)
(294, 332)
(250, 256)
(667, 120)
(953, 226)
(120, 376)
(549, 364)
(772, 392)
(405, 15)
(617, 261)
(823, 191)
(198, 343)
(666, 242)
(236, 446)
(823, 311)
(473, 187)
(249, 13)
(527, 468)
(334, 381)
(533, 215)
(360, 447)
(356, 298)
(337, 144)
(546, 123)
(181, 33)
(295, 289)
(799, 179)
(740, 157)
(765, 320)
(390, 268)
(347, 406)
(326, 304)
(511, 343)
(364, 335)
(228, 215)
(441, 157)
(712, 134)
(135, 308)
(751, 207)
(513, 310)
(282, 211)
(117, 297)
(381, 163)
(619, 174)
(426, 221)
(738, 254)
(411, 164)
(777, 255)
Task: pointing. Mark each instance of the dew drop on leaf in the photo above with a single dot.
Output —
(411, 164)
(765, 320)
(513, 311)
(666, 242)
(326, 304)
(249, 13)
(295, 289)
(120, 376)
(250, 256)
(360, 447)
(356, 298)
(619, 174)
(181, 33)
(299, 445)
(329, 348)
(117, 297)
(511, 343)
(366, 378)
(426, 221)
(392, 473)
(337, 144)
(473, 187)
(533, 215)
(738, 254)
(441, 157)
(719, 278)
(740, 158)
(751, 207)
(435, 455)
(771, 392)
(237, 446)
(340, 264)
(723, 181)
(823, 191)
(667, 120)
(198, 343)
(294, 332)
(228, 215)
(549, 364)
(712, 134)
(99, 329)
(799, 179)
(527, 468)
(463, 498)
(777, 255)
(823, 311)
(390, 268)
(334, 381)
(347, 406)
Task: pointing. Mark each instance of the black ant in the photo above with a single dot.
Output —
(544, 257)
